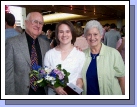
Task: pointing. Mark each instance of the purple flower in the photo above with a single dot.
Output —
(61, 76)
(59, 73)
(42, 71)
(53, 74)
(56, 71)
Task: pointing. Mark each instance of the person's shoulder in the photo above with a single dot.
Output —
(15, 31)
(14, 38)
(110, 50)
(78, 52)
(117, 32)
(80, 55)
(86, 50)
(43, 40)
(106, 33)
(51, 51)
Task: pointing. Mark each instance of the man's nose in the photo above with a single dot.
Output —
(38, 24)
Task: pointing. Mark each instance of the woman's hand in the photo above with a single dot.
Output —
(122, 45)
(60, 91)
(122, 84)
(78, 48)
(79, 83)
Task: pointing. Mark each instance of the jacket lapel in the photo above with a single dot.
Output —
(23, 44)
(42, 48)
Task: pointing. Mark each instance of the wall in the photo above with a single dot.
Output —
(20, 15)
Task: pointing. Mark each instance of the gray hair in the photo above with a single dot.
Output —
(93, 24)
(28, 16)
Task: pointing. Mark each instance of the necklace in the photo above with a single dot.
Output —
(94, 55)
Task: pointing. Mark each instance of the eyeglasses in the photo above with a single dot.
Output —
(36, 22)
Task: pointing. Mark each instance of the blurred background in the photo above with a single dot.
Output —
(77, 14)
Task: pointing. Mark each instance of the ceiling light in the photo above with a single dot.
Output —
(56, 17)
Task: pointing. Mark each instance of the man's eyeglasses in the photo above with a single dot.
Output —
(35, 22)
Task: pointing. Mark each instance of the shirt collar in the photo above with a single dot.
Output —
(102, 51)
(30, 39)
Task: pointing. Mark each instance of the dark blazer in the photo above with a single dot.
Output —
(17, 64)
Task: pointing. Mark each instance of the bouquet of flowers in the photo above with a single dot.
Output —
(55, 77)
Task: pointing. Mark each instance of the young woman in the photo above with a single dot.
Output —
(67, 55)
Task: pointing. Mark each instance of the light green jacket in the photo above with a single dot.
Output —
(110, 65)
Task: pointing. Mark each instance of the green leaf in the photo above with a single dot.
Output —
(65, 72)
(42, 84)
(37, 75)
(35, 82)
(39, 81)
(56, 85)
(31, 75)
(59, 67)
(68, 74)
(36, 72)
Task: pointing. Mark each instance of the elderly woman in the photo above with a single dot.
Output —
(103, 71)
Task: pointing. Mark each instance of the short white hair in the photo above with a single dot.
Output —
(93, 24)
(28, 16)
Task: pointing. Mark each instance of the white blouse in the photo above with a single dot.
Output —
(73, 63)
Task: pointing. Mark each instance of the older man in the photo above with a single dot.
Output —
(18, 53)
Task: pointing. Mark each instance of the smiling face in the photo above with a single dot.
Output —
(34, 24)
(93, 37)
(64, 34)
